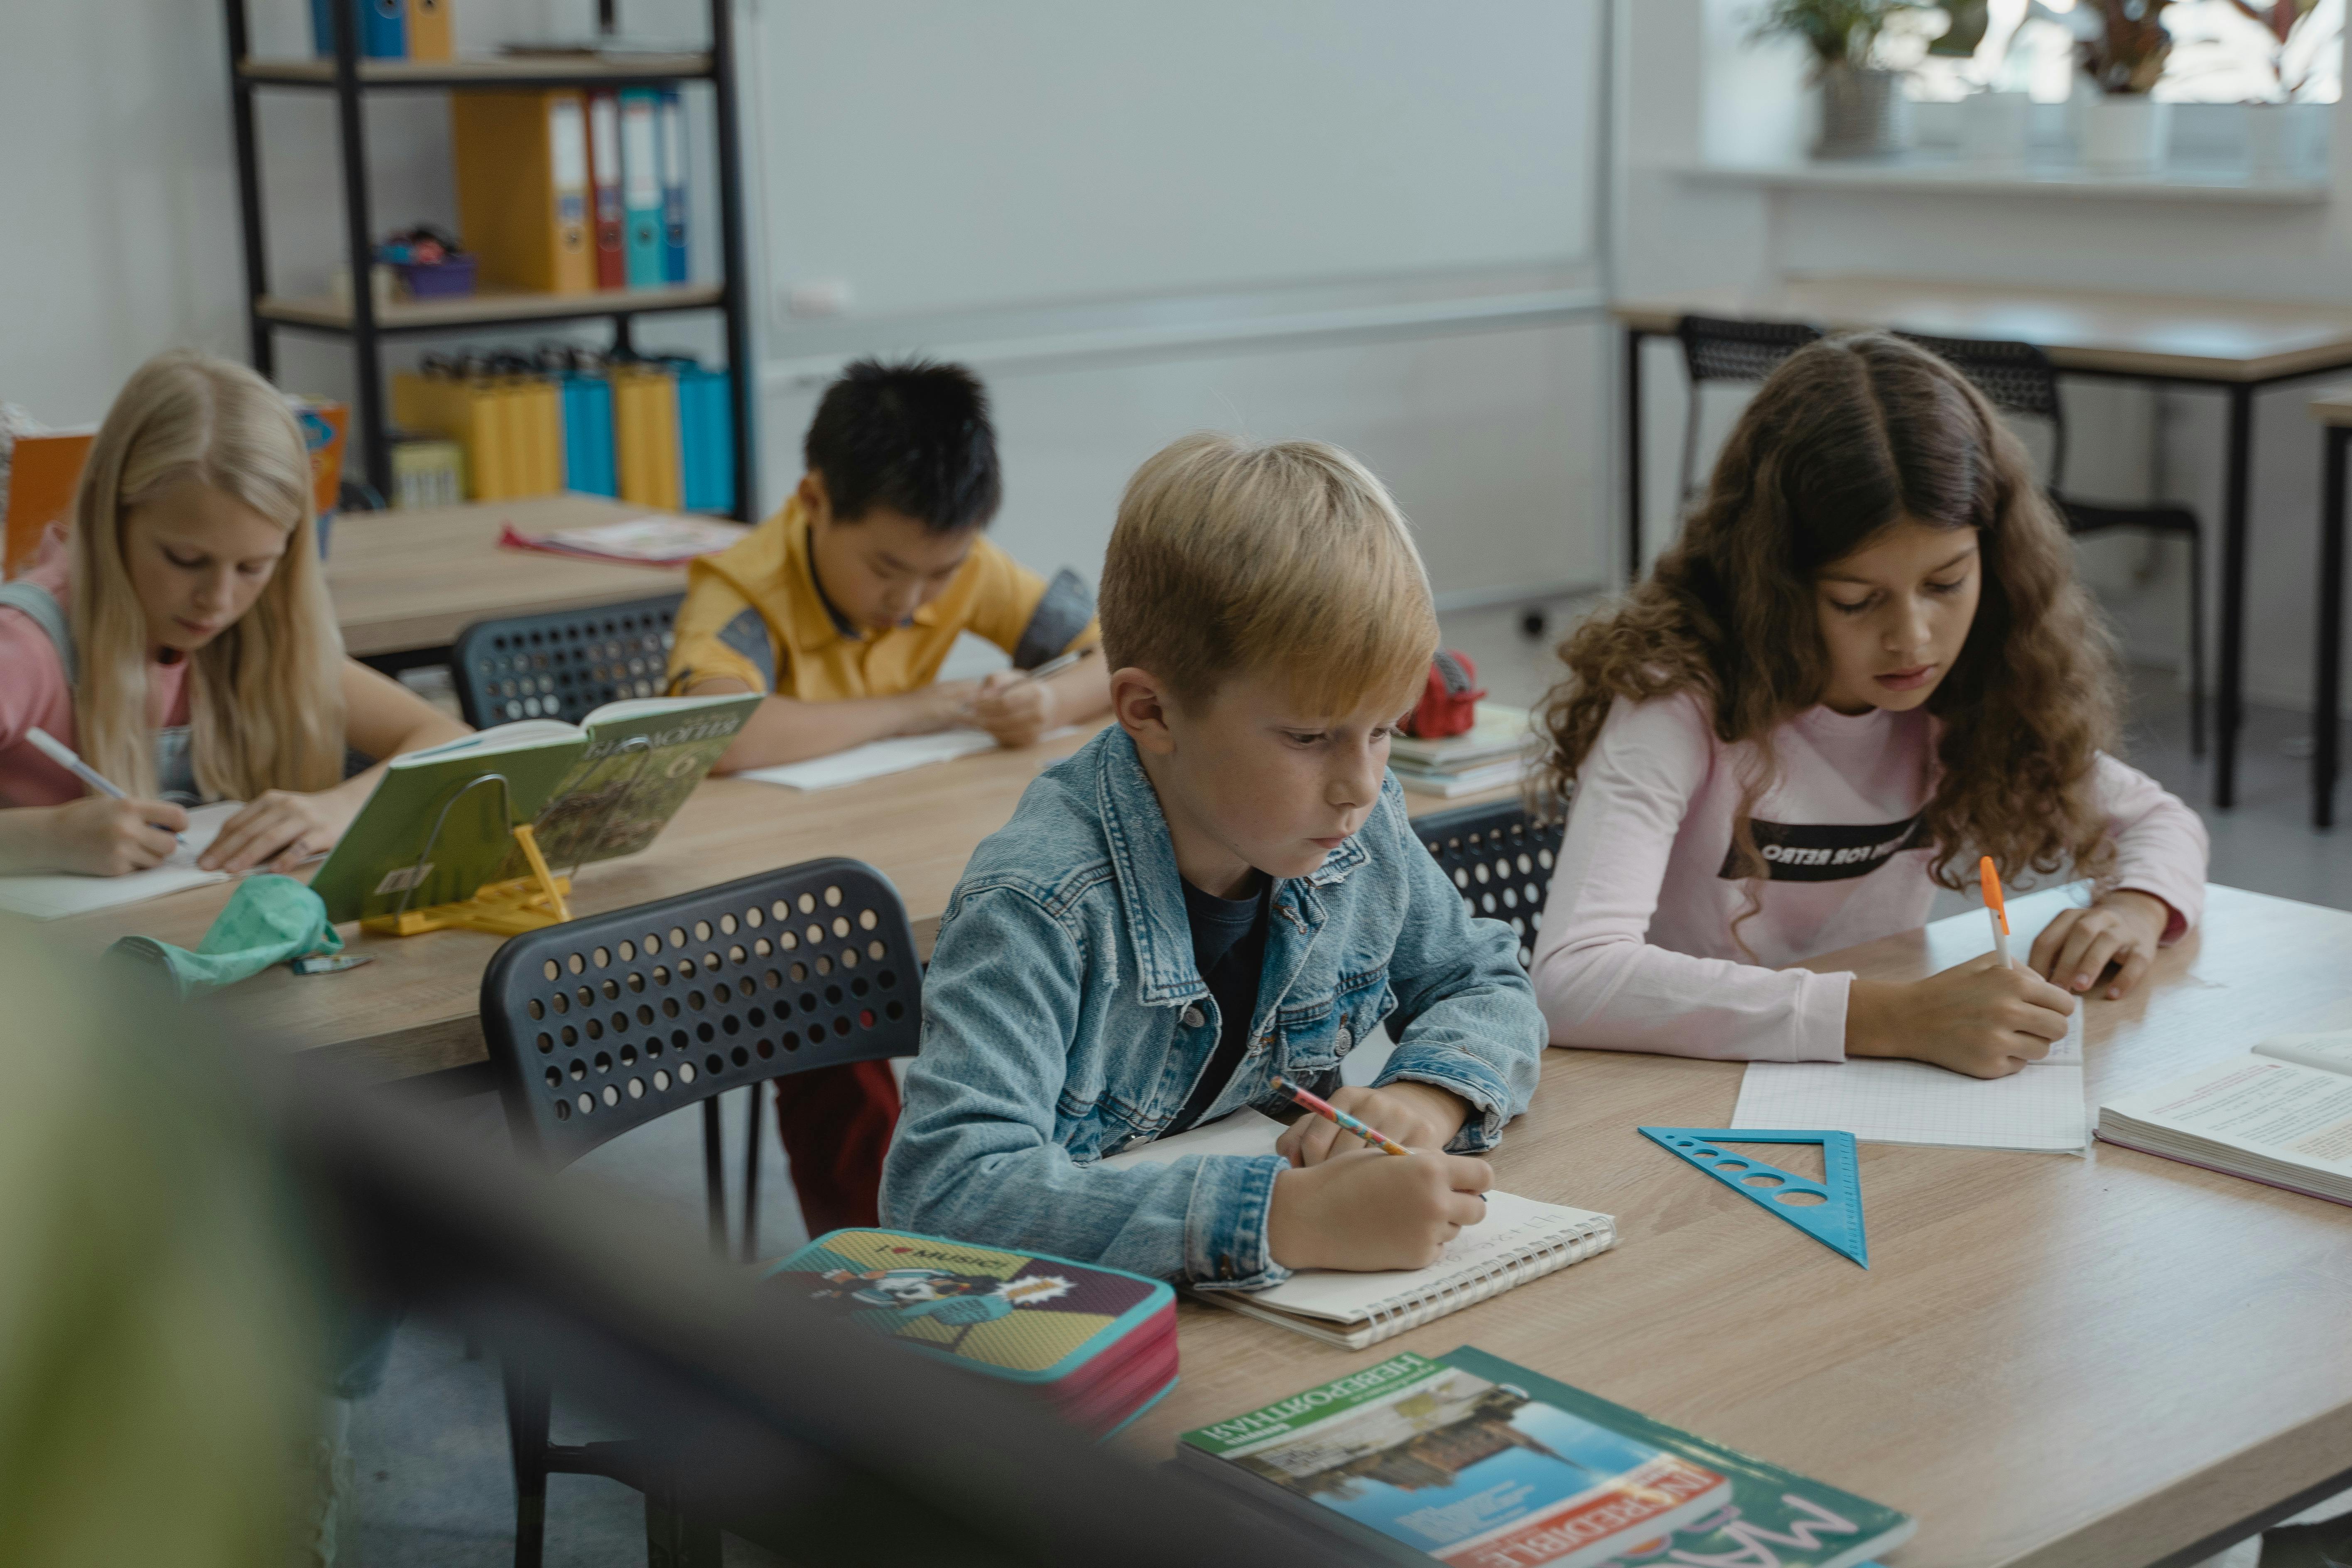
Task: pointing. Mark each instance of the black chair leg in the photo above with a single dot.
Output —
(2196, 645)
(527, 1415)
(751, 1172)
(714, 1174)
(673, 1540)
(1690, 461)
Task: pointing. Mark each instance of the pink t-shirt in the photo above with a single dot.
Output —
(1637, 950)
(34, 692)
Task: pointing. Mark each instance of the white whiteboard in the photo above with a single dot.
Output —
(943, 156)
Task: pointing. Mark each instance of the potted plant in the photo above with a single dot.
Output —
(1862, 103)
(2285, 131)
(1997, 117)
(2122, 46)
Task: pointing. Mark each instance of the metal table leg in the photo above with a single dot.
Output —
(2326, 720)
(2229, 695)
(1633, 336)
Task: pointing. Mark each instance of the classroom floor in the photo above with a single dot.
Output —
(429, 1450)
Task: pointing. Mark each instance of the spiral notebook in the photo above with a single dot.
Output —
(1520, 1240)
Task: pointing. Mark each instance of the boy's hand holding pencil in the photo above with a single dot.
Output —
(1406, 1115)
(1346, 1203)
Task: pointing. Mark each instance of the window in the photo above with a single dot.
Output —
(2220, 54)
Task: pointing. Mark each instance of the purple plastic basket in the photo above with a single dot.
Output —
(440, 280)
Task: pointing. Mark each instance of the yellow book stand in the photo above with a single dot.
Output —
(502, 908)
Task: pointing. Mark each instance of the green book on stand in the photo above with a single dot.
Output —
(440, 825)
(1479, 1463)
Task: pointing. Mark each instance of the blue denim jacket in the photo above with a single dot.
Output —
(1064, 1019)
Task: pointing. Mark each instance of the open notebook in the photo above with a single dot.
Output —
(49, 898)
(1520, 1239)
(878, 758)
(2039, 1110)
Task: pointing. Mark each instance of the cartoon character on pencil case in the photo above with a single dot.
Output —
(896, 1298)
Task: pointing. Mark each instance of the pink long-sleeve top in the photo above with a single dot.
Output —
(1637, 950)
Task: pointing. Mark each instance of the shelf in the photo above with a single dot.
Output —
(1927, 175)
(535, 70)
(327, 313)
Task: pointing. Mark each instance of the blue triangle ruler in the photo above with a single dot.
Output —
(1835, 1221)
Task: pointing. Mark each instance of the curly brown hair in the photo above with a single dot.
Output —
(1849, 436)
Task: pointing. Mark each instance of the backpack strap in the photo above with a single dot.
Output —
(47, 614)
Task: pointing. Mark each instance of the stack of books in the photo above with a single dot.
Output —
(1097, 1344)
(1493, 754)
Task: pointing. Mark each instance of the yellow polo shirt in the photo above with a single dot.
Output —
(753, 612)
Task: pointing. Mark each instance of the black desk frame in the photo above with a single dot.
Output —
(2229, 694)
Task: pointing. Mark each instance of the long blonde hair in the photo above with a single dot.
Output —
(266, 706)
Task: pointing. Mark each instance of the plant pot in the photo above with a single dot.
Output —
(2125, 133)
(2285, 140)
(1864, 113)
(1996, 129)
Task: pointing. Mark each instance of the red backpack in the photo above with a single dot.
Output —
(1449, 702)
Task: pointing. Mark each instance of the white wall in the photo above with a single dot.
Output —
(1037, 176)
(1695, 89)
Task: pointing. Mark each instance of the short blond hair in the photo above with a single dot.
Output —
(1232, 555)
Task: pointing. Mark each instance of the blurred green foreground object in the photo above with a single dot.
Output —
(156, 1362)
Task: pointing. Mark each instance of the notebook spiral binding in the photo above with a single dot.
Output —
(1395, 1314)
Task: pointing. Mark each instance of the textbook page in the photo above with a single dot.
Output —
(55, 896)
(2329, 1052)
(2259, 1106)
(2040, 1109)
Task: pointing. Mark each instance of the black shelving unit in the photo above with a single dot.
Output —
(349, 76)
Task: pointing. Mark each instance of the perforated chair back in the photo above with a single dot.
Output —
(608, 1021)
(2015, 377)
(563, 665)
(1501, 860)
(1715, 349)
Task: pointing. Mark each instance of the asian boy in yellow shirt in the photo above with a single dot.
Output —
(841, 609)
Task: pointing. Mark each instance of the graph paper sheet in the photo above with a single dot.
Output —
(2040, 1109)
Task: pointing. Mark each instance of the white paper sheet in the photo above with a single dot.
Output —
(2040, 1109)
(54, 897)
(878, 758)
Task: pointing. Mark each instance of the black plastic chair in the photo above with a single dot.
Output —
(562, 665)
(1715, 349)
(1501, 860)
(607, 1022)
(2018, 378)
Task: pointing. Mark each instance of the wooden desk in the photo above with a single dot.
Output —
(415, 1010)
(2332, 410)
(2237, 346)
(407, 581)
(2050, 1360)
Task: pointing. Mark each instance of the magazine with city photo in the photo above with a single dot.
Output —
(1480, 1463)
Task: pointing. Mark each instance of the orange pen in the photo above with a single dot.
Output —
(1995, 906)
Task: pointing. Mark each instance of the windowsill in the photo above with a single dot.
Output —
(1919, 172)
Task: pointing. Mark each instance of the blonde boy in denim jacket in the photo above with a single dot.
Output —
(1268, 620)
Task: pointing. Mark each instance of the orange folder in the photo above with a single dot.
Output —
(430, 36)
(644, 431)
(522, 188)
(41, 479)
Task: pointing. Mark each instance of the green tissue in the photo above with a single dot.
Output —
(267, 921)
